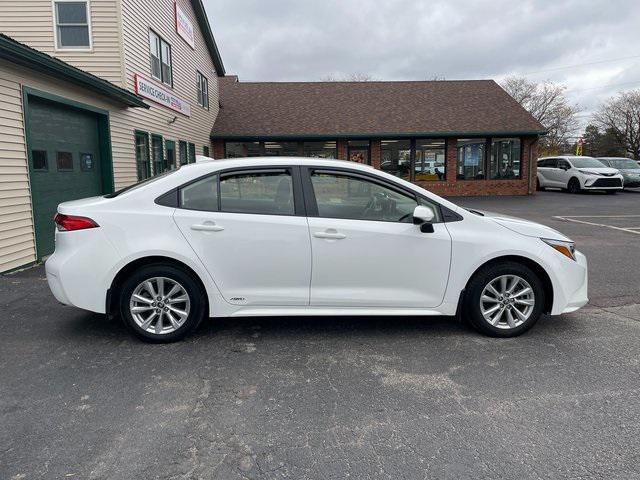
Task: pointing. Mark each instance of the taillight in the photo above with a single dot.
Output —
(68, 223)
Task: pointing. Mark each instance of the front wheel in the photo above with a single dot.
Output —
(504, 300)
(161, 303)
(574, 186)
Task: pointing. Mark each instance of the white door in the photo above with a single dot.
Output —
(246, 232)
(562, 173)
(546, 170)
(366, 250)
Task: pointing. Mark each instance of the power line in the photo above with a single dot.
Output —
(582, 64)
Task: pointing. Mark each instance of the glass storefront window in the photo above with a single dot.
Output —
(358, 151)
(505, 158)
(471, 159)
(281, 149)
(395, 157)
(242, 149)
(430, 160)
(319, 149)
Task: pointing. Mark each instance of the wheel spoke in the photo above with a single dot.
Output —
(180, 299)
(503, 284)
(181, 313)
(173, 321)
(142, 299)
(519, 314)
(175, 289)
(493, 309)
(144, 325)
(524, 291)
(498, 316)
(159, 323)
(514, 284)
(488, 299)
(525, 301)
(160, 282)
(510, 319)
(141, 309)
(492, 289)
(149, 286)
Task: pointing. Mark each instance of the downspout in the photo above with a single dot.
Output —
(530, 172)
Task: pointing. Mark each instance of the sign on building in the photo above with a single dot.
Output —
(150, 90)
(184, 27)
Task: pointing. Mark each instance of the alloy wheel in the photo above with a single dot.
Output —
(507, 301)
(159, 305)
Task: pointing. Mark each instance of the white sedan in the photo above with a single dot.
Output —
(575, 174)
(293, 236)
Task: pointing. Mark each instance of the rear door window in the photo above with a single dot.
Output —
(266, 192)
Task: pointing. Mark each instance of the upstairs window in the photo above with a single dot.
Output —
(72, 24)
(203, 90)
(160, 55)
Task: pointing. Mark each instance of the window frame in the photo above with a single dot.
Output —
(161, 40)
(56, 37)
(156, 136)
(489, 154)
(203, 89)
(312, 205)
(46, 160)
(298, 199)
(183, 143)
(147, 161)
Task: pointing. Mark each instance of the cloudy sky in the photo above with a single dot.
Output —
(592, 46)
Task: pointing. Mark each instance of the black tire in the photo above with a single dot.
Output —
(197, 300)
(611, 192)
(471, 304)
(538, 187)
(574, 186)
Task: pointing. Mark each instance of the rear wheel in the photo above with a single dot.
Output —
(611, 192)
(574, 186)
(504, 300)
(161, 303)
(538, 187)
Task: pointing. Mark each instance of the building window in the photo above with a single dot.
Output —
(142, 156)
(242, 149)
(72, 24)
(157, 154)
(40, 160)
(395, 157)
(184, 158)
(471, 159)
(192, 153)
(205, 150)
(358, 151)
(505, 158)
(160, 53)
(281, 149)
(64, 161)
(430, 163)
(170, 158)
(203, 90)
(319, 149)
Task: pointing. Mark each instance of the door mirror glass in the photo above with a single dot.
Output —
(423, 214)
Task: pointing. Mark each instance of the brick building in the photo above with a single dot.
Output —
(452, 137)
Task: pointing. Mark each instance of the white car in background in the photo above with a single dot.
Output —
(302, 236)
(575, 174)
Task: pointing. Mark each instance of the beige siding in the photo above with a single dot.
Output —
(31, 22)
(138, 16)
(17, 243)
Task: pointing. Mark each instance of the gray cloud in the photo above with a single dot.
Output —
(275, 40)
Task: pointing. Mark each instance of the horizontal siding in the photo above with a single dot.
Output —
(17, 241)
(138, 16)
(31, 22)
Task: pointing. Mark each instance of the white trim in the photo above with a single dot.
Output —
(55, 27)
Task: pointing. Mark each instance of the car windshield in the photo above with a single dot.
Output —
(586, 163)
(624, 163)
(142, 183)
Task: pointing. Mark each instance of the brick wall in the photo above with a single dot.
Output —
(218, 149)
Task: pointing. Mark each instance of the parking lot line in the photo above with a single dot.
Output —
(574, 219)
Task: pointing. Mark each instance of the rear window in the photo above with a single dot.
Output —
(135, 186)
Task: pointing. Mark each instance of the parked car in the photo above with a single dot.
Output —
(575, 174)
(299, 237)
(629, 169)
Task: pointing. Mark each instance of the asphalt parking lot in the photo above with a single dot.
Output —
(334, 398)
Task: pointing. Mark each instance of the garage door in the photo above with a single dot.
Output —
(64, 143)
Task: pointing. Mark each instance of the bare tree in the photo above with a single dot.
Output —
(354, 77)
(549, 105)
(621, 116)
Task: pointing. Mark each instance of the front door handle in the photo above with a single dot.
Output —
(330, 233)
(207, 227)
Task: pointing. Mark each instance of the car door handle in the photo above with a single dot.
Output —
(331, 234)
(207, 227)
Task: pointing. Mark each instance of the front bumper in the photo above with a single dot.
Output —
(603, 183)
(575, 286)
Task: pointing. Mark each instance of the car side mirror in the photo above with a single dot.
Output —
(423, 216)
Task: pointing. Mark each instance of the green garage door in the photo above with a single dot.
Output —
(64, 143)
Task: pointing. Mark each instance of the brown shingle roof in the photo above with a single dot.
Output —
(341, 109)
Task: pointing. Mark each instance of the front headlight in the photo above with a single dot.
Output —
(585, 172)
(568, 249)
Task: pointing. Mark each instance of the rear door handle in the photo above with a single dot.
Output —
(207, 227)
(330, 233)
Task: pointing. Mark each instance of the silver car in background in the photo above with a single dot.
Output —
(630, 169)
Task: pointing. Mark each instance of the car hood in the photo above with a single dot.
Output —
(628, 171)
(524, 227)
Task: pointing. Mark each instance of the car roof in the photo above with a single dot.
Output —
(206, 164)
(566, 157)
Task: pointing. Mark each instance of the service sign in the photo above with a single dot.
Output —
(150, 90)
(184, 27)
